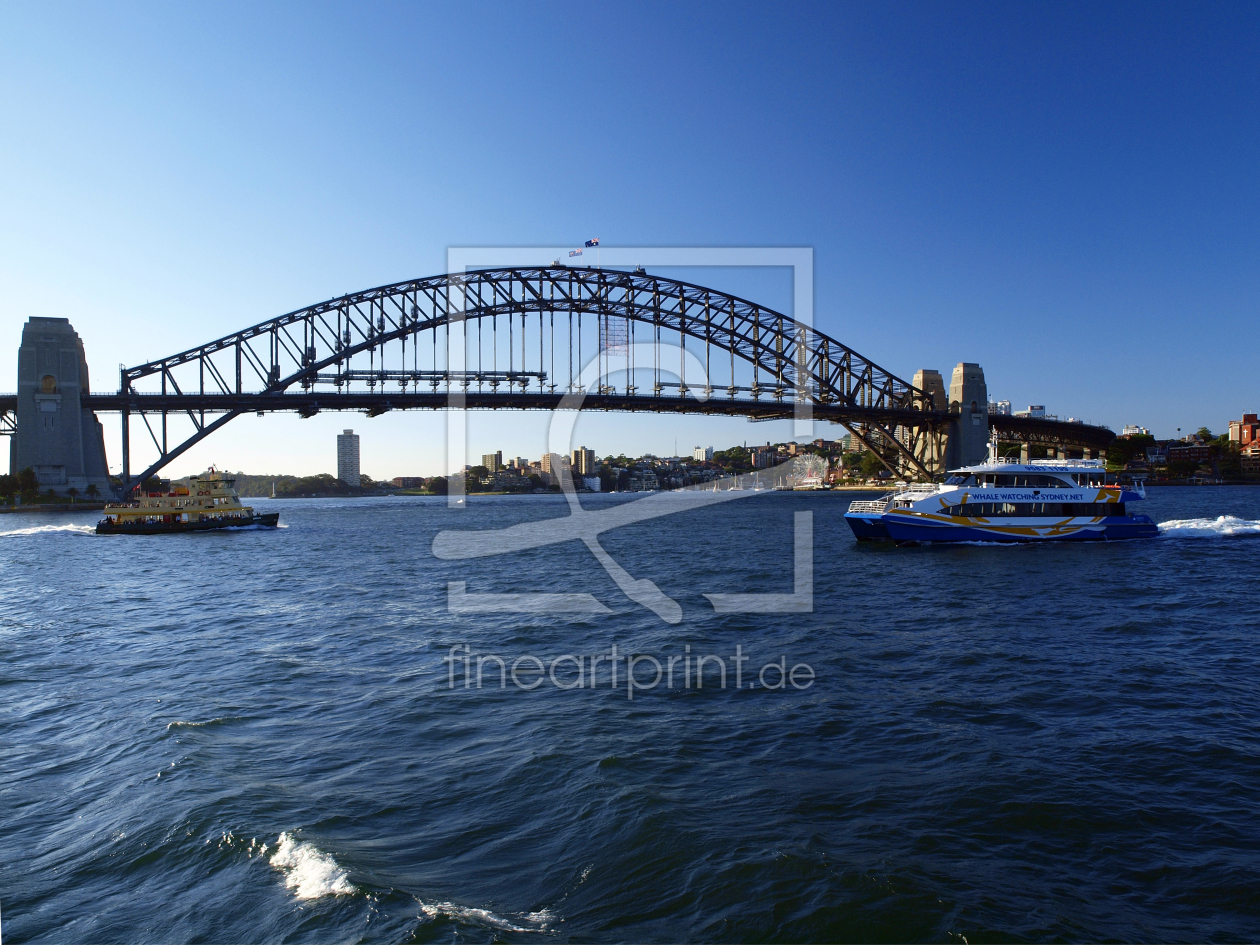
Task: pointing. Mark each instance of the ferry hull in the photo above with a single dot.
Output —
(1117, 528)
(106, 527)
(868, 527)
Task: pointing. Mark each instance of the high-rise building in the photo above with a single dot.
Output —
(583, 463)
(551, 462)
(348, 458)
(702, 454)
(493, 461)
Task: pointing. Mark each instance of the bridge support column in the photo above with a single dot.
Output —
(969, 430)
(1085, 454)
(1024, 453)
(56, 435)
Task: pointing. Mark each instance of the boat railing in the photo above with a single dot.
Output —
(1016, 461)
(869, 506)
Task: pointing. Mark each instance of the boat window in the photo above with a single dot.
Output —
(1037, 509)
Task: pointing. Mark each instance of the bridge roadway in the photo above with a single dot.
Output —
(308, 403)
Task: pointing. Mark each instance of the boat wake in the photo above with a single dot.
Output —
(49, 529)
(530, 921)
(308, 872)
(1227, 526)
(217, 720)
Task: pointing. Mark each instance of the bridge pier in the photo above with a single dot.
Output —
(968, 438)
(56, 435)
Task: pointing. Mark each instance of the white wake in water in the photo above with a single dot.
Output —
(308, 872)
(46, 529)
(1227, 526)
(1222, 527)
(534, 921)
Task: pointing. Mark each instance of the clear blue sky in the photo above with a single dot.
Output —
(1065, 193)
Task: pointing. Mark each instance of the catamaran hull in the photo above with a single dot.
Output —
(868, 527)
(1116, 528)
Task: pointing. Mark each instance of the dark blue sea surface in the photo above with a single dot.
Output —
(251, 736)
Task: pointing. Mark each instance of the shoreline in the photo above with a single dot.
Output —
(55, 507)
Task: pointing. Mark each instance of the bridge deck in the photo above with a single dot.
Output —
(1030, 429)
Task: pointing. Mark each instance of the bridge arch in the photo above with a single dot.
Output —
(313, 358)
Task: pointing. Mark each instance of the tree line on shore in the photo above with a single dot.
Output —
(24, 484)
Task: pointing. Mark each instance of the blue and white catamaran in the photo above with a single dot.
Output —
(1008, 501)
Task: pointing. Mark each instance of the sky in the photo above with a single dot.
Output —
(1065, 193)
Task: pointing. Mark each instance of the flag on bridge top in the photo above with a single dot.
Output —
(575, 252)
(594, 242)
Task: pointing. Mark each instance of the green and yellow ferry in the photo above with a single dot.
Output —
(209, 501)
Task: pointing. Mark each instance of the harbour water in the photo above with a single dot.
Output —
(253, 736)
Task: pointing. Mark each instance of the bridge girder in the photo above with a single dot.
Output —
(772, 358)
(312, 359)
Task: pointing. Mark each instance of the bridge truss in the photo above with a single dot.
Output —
(529, 338)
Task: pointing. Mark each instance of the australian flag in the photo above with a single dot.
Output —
(594, 242)
(575, 252)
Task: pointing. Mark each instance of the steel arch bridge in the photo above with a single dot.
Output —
(528, 338)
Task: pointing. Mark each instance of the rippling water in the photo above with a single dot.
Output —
(250, 735)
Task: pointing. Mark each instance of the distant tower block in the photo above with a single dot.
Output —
(969, 431)
(56, 436)
(348, 458)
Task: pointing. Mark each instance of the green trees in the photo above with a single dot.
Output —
(27, 483)
(870, 465)
(734, 460)
(323, 484)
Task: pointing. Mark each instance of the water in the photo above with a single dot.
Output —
(249, 736)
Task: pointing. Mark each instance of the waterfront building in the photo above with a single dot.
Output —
(999, 408)
(591, 483)
(408, 482)
(1246, 431)
(583, 463)
(702, 454)
(492, 461)
(1189, 454)
(1250, 459)
(1135, 430)
(763, 458)
(348, 458)
(1034, 410)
